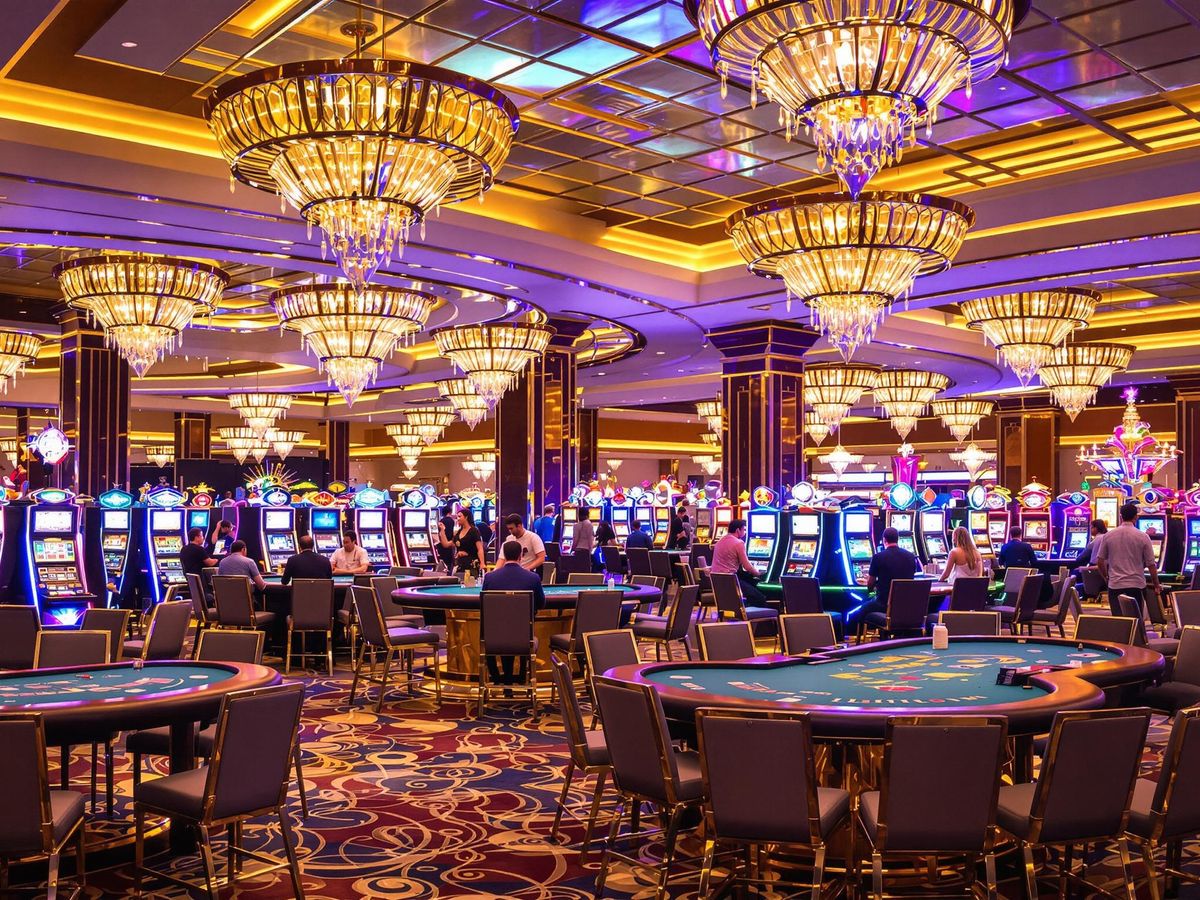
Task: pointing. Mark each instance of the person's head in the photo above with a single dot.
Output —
(515, 525)
(238, 547)
(511, 551)
(349, 539)
(305, 542)
(891, 536)
(195, 535)
(548, 509)
(224, 527)
(964, 541)
(1014, 533)
(228, 495)
(684, 518)
(464, 518)
(604, 532)
(1098, 527)
(1129, 512)
(738, 528)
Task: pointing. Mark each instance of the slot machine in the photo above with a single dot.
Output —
(662, 525)
(900, 512)
(704, 516)
(1107, 503)
(54, 557)
(1153, 523)
(1076, 528)
(1033, 512)
(418, 528)
(325, 522)
(643, 514)
(722, 516)
(371, 526)
(804, 544)
(995, 504)
(116, 537)
(935, 540)
(1190, 508)
(278, 522)
(763, 530)
(567, 517)
(620, 515)
(977, 520)
(857, 533)
(903, 520)
(165, 536)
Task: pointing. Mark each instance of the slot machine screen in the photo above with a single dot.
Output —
(978, 521)
(371, 519)
(52, 521)
(860, 548)
(805, 525)
(1077, 540)
(278, 520)
(935, 545)
(198, 518)
(53, 551)
(759, 546)
(998, 530)
(1036, 530)
(1159, 526)
(931, 521)
(115, 519)
(166, 520)
(1194, 527)
(279, 543)
(858, 523)
(804, 549)
(372, 540)
(1108, 510)
(908, 544)
(762, 523)
(902, 521)
(418, 539)
(595, 514)
(325, 520)
(415, 519)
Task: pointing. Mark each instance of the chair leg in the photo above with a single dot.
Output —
(601, 778)
(52, 877)
(95, 753)
(877, 875)
(289, 846)
(383, 681)
(669, 840)
(137, 769)
(818, 878)
(139, 848)
(562, 799)
(300, 782)
(206, 856)
(1031, 888)
(81, 857)
(989, 870)
(358, 664)
(1127, 869)
(329, 652)
(287, 653)
(710, 851)
(613, 828)
(1151, 874)
(108, 776)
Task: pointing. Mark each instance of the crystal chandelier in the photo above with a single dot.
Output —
(461, 393)
(260, 410)
(1026, 327)
(493, 355)
(363, 148)
(905, 393)
(961, 414)
(711, 439)
(1075, 372)
(241, 441)
(410, 473)
(429, 421)
(839, 459)
(17, 350)
(830, 389)
(870, 467)
(283, 442)
(614, 464)
(482, 466)
(848, 259)
(973, 459)
(409, 441)
(142, 303)
(10, 447)
(815, 428)
(162, 455)
(860, 76)
(352, 332)
(710, 412)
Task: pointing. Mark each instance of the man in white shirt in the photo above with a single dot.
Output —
(1126, 554)
(533, 551)
(350, 559)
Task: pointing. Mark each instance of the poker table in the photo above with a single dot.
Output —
(460, 604)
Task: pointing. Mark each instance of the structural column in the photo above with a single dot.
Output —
(1027, 443)
(589, 443)
(94, 408)
(337, 449)
(193, 435)
(30, 421)
(762, 379)
(1187, 429)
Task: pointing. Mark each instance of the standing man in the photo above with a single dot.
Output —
(1016, 552)
(585, 535)
(236, 562)
(511, 575)
(891, 563)
(308, 563)
(1125, 555)
(729, 558)
(350, 559)
(533, 551)
(193, 558)
(221, 537)
(543, 525)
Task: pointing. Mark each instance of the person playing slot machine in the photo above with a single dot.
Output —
(221, 538)
(308, 563)
(194, 557)
(350, 559)
(236, 562)
(729, 558)
(891, 563)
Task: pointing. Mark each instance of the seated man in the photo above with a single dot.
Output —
(308, 563)
(510, 575)
(350, 559)
(640, 537)
(729, 558)
(238, 563)
(891, 563)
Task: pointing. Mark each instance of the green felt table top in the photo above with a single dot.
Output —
(105, 684)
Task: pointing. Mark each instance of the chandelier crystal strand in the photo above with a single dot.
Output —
(830, 389)
(408, 440)
(961, 414)
(815, 428)
(860, 76)
(10, 447)
(429, 421)
(352, 332)
(18, 349)
(241, 441)
(710, 412)
(850, 260)
(839, 459)
(904, 395)
(363, 148)
(284, 441)
(162, 455)
(461, 393)
(260, 410)
(1075, 372)
(1026, 327)
(973, 459)
(493, 355)
(142, 303)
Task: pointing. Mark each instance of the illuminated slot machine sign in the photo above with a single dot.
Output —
(900, 514)
(804, 542)
(722, 516)
(762, 530)
(278, 527)
(703, 524)
(325, 522)
(1189, 506)
(1033, 502)
(116, 531)
(418, 528)
(371, 526)
(933, 534)
(165, 537)
(858, 544)
(1075, 531)
(662, 510)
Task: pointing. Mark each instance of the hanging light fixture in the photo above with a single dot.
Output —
(1075, 372)
(815, 428)
(363, 148)
(482, 466)
(429, 421)
(283, 442)
(848, 259)
(240, 440)
(870, 467)
(409, 441)
(614, 464)
(10, 447)
(839, 459)
(141, 302)
(493, 355)
(711, 439)
(859, 76)
(259, 410)
(352, 332)
(1026, 327)
(410, 462)
(461, 393)
(961, 414)
(973, 459)
(162, 455)
(18, 349)
(905, 393)
(830, 389)
(409, 473)
(710, 412)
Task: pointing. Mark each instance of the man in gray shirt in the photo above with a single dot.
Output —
(1125, 555)
(585, 535)
(238, 563)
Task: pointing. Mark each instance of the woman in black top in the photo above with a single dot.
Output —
(468, 546)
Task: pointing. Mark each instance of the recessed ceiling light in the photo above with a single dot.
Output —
(660, 352)
(128, 45)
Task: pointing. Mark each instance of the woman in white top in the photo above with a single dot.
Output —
(964, 560)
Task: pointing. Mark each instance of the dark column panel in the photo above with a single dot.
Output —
(1187, 430)
(193, 435)
(589, 443)
(94, 407)
(29, 421)
(1027, 446)
(337, 449)
(519, 486)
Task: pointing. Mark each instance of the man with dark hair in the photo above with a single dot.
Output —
(543, 525)
(1126, 554)
(891, 563)
(1016, 552)
(640, 537)
(221, 538)
(533, 551)
(194, 556)
(236, 562)
(308, 563)
(511, 575)
(729, 558)
(350, 559)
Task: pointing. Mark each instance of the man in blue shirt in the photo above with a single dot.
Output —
(512, 576)
(1016, 553)
(543, 525)
(640, 537)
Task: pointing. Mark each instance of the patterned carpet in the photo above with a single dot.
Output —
(414, 803)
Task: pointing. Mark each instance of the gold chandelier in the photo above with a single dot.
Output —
(18, 349)
(242, 442)
(710, 412)
(961, 414)
(839, 459)
(284, 441)
(711, 439)
(830, 389)
(482, 466)
(850, 259)
(973, 459)
(352, 332)
(493, 355)
(363, 148)
(162, 455)
(859, 75)
(429, 421)
(461, 393)
(815, 428)
(259, 410)
(1075, 372)
(11, 448)
(408, 440)
(1026, 327)
(142, 303)
(905, 393)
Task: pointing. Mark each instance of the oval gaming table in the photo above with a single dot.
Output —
(461, 606)
(82, 704)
